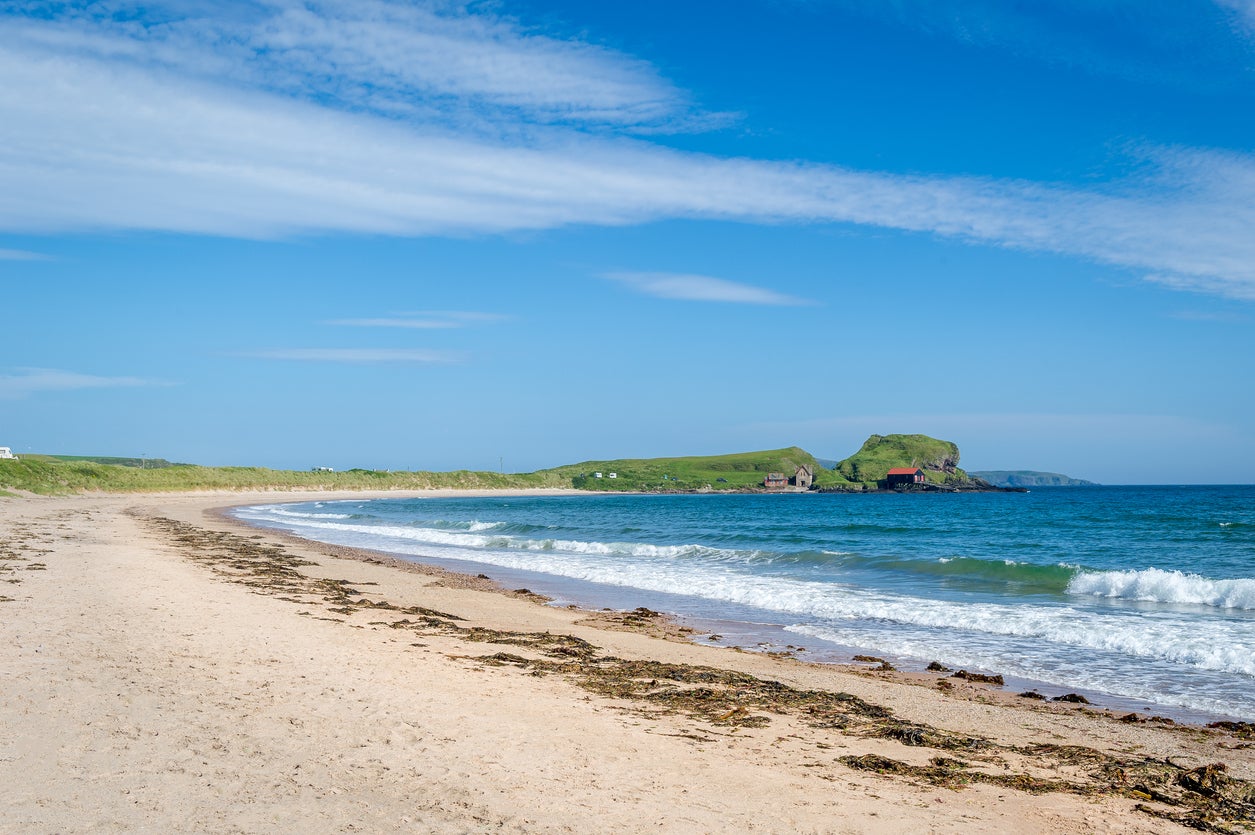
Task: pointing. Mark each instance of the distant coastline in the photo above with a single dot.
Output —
(1030, 478)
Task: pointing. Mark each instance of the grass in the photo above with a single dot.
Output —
(62, 474)
(142, 463)
(46, 475)
(938, 459)
(714, 472)
(52, 475)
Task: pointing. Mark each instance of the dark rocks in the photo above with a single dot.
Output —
(1074, 698)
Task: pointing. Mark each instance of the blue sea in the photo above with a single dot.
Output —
(1138, 597)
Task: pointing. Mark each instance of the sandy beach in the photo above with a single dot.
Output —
(164, 668)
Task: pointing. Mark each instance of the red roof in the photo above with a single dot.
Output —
(904, 470)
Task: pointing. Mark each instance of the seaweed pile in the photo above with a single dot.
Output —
(1204, 797)
(18, 552)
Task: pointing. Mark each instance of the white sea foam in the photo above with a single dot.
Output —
(293, 514)
(1158, 586)
(1223, 646)
(475, 537)
(1154, 681)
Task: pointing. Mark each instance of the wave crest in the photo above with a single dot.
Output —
(1158, 586)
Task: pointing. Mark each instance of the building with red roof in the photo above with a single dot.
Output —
(904, 475)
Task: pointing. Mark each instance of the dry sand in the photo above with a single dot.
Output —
(163, 669)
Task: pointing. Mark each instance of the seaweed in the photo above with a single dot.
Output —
(1206, 798)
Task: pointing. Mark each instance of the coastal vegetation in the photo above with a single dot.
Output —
(45, 475)
(938, 459)
(865, 470)
(712, 472)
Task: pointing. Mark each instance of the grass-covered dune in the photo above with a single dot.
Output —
(45, 475)
(51, 475)
(737, 471)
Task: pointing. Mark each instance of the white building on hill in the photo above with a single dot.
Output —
(6, 452)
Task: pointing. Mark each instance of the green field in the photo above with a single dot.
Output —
(62, 474)
(52, 475)
(45, 475)
(737, 471)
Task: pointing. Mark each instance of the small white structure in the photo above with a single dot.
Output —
(596, 475)
(6, 452)
(323, 469)
(614, 475)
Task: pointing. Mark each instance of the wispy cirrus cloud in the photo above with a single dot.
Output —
(701, 288)
(1127, 426)
(370, 356)
(422, 59)
(1179, 44)
(23, 382)
(424, 320)
(1207, 316)
(105, 127)
(1244, 9)
(22, 255)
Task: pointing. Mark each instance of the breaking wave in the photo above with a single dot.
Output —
(1155, 585)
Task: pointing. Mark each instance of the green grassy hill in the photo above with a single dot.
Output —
(142, 463)
(716, 472)
(51, 475)
(938, 459)
(46, 475)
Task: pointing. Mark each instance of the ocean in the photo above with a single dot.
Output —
(1137, 597)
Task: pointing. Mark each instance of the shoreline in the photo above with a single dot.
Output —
(489, 707)
(773, 639)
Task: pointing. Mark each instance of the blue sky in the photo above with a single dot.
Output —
(436, 235)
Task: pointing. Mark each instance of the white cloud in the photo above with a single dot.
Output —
(423, 320)
(90, 141)
(401, 59)
(1186, 45)
(701, 288)
(21, 255)
(1131, 427)
(415, 356)
(1207, 316)
(27, 381)
(397, 323)
(1245, 10)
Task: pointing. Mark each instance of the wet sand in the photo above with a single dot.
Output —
(164, 668)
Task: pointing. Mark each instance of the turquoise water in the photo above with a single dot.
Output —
(1145, 594)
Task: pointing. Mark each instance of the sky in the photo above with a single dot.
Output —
(438, 235)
